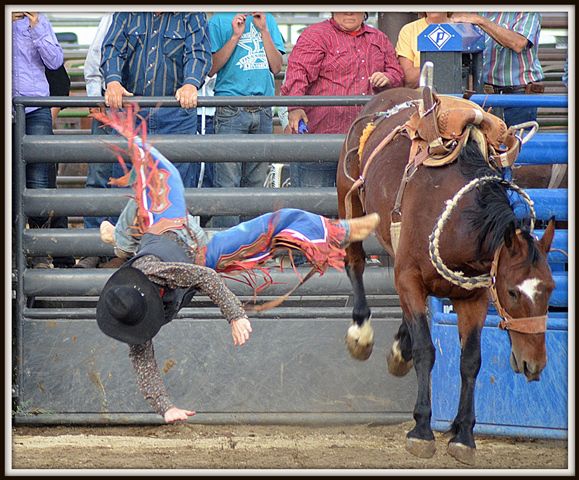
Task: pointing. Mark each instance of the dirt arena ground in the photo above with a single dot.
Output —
(195, 446)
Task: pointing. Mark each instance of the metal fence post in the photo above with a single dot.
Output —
(19, 185)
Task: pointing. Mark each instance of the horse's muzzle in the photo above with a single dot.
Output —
(531, 372)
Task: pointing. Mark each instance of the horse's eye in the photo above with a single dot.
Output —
(513, 294)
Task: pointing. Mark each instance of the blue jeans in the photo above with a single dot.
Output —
(516, 115)
(98, 177)
(169, 120)
(313, 174)
(40, 175)
(232, 121)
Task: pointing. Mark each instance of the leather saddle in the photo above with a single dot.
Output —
(443, 124)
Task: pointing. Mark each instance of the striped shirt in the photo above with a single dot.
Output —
(153, 54)
(329, 61)
(505, 67)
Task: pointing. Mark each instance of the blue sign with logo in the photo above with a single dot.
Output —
(451, 37)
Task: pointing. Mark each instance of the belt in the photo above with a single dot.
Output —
(252, 109)
(488, 88)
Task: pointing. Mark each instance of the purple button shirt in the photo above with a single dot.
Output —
(32, 49)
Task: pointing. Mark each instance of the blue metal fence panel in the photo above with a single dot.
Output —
(550, 203)
(545, 148)
(506, 404)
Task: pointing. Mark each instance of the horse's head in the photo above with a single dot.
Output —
(523, 286)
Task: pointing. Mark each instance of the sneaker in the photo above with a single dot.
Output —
(361, 227)
(107, 232)
(87, 262)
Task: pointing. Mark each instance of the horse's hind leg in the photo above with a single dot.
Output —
(399, 358)
(360, 336)
(471, 317)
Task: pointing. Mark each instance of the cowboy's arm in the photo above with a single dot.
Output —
(208, 282)
(148, 377)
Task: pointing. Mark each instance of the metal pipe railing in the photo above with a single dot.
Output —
(553, 101)
(89, 282)
(233, 201)
(543, 148)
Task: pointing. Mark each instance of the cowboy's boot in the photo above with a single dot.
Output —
(361, 227)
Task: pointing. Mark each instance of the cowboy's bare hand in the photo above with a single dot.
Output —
(294, 117)
(238, 24)
(114, 95)
(175, 414)
(379, 79)
(259, 20)
(187, 96)
(240, 329)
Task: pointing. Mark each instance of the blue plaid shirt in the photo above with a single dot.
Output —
(154, 54)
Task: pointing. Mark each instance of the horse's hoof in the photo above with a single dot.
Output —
(462, 453)
(360, 341)
(420, 448)
(397, 366)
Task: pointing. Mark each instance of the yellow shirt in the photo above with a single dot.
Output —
(407, 45)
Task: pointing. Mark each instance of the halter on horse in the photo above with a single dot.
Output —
(431, 167)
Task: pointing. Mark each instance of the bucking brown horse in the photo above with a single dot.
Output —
(433, 174)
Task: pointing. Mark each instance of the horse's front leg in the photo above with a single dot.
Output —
(360, 336)
(471, 317)
(419, 440)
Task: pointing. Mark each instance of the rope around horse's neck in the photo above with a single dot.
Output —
(456, 277)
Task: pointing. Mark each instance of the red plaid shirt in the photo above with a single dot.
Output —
(328, 61)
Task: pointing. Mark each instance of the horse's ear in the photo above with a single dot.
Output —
(509, 235)
(547, 239)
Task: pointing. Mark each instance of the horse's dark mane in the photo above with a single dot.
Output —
(492, 217)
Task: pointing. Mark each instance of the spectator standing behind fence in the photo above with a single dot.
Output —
(339, 56)
(247, 53)
(159, 54)
(34, 48)
(98, 173)
(510, 58)
(407, 45)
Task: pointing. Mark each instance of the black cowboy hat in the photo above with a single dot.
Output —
(130, 308)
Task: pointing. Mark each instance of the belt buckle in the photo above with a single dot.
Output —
(252, 109)
(488, 89)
